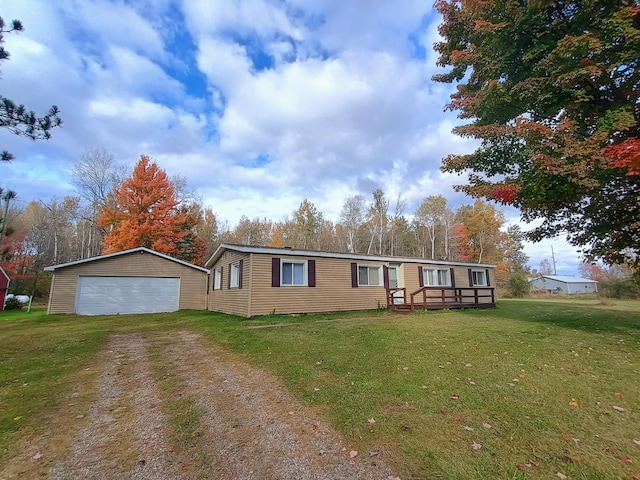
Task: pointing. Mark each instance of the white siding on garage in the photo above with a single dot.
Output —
(112, 295)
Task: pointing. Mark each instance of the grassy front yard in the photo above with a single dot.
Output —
(527, 390)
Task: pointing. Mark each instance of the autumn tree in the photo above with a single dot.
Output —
(15, 117)
(483, 221)
(552, 91)
(147, 214)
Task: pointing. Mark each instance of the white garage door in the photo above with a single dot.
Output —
(111, 295)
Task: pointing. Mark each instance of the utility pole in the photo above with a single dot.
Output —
(553, 259)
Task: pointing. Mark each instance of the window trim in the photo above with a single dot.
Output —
(235, 272)
(217, 278)
(474, 274)
(369, 267)
(305, 273)
(426, 270)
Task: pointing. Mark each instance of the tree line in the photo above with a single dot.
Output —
(114, 211)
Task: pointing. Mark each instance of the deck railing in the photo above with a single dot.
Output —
(427, 298)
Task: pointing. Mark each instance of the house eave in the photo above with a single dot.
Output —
(319, 254)
(53, 268)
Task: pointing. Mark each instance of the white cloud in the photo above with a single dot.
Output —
(271, 103)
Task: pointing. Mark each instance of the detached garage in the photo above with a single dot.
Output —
(133, 281)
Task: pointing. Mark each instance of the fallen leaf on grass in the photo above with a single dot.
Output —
(372, 420)
(618, 395)
(573, 403)
(569, 438)
(520, 467)
(315, 427)
(576, 458)
(476, 446)
(373, 454)
(468, 428)
(353, 454)
(624, 458)
(637, 442)
(486, 425)
(535, 463)
(561, 476)
(617, 409)
(37, 456)
(456, 418)
(455, 396)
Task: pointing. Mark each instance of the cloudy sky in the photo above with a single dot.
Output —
(259, 104)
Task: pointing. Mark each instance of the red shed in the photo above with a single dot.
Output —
(4, 286)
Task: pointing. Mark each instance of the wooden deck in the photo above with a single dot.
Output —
(440, 298)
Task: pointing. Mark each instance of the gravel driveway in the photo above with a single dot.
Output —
(178, 407)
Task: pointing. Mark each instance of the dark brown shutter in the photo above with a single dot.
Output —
(275, 272)
(420, 277)
(354, 275)
(470, 278)
(487, 274)
(311, 271)
(452, 272)
(385, 276)
(240, 274)
(229, 277)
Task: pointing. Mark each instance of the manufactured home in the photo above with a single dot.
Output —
(249, 281)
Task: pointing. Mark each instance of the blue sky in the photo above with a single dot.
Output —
(258, 104)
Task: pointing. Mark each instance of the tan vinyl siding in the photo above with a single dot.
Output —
(234, 301)
(333, 290)
(193, 282)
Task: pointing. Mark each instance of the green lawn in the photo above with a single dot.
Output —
(532, 384)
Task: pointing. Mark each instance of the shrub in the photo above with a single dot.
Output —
(518, 285)
(621, 288)
(13, 303)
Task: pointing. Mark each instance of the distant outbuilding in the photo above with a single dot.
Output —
(564, 284)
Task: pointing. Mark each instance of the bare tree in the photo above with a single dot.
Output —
(352, 217)
(94, 175)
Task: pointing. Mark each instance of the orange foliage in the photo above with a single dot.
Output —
(625, 155)
(460, 243)
(146, 213)
(17, 263)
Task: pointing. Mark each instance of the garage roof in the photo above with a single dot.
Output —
(124, 252)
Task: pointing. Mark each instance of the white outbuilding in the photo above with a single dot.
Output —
(564, 284)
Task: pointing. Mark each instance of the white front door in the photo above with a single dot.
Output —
(395, 280)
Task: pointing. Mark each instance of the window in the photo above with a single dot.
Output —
(234, 275)
(369, 275)
(436, 277)
(293, 273)
(217, 279)
(478, 278)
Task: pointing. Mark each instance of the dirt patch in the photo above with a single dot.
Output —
(179, 407)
